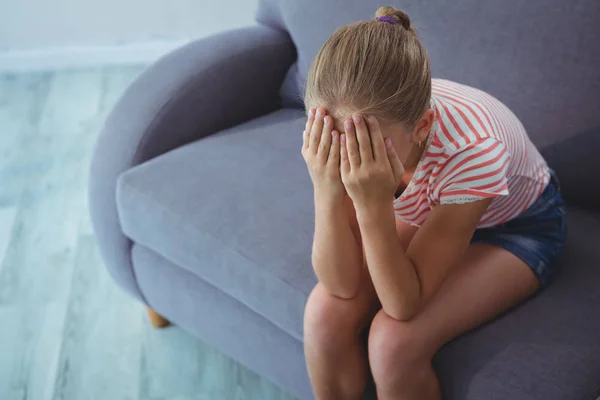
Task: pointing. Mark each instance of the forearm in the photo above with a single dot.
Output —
(337, 255)
(393, 274)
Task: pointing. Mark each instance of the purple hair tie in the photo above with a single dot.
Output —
(387, 18)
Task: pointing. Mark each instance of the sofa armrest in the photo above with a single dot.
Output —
(577, 164)
(204, 87)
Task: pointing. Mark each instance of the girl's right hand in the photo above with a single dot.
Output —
(321, 151)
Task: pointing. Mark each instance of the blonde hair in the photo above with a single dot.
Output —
(372, 67)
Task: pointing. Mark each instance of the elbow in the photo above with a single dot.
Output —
(345, 292)
(345, 286)
(400, 313)
(403, 310)
(408, 305)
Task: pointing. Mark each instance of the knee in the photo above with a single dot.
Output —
(330, 322)
(395, 347)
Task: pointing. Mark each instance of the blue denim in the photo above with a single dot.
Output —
(537, 236)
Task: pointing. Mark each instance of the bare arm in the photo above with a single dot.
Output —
(337, 251)
(403, 279)
(405, 233)
(406, 280)
(337, 255)
(340, 270)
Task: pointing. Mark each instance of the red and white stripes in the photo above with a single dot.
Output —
(477, 149)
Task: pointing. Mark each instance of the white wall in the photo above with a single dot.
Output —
(39, 34)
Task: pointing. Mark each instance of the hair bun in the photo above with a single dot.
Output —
(398, 15)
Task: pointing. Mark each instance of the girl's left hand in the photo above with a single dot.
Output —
(370, 168)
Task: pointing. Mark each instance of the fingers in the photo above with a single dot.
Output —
(307, 128)
(316, 130)
(363, 137)
(325, 143)
(334, 149)
(377, 143)
(344, 162)
(352, 145)
(397, 167)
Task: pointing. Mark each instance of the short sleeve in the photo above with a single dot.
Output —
(474, 172)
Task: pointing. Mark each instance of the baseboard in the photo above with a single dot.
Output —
(85, 56)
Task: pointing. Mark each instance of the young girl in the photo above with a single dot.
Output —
(434, 212)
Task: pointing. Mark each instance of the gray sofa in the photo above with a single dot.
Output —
(203, 209)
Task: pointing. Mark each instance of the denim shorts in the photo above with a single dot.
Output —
(537, 236)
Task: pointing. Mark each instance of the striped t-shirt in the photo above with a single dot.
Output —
(476, 149)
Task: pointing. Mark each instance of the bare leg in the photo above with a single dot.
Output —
(489, 281)
(157, 320)
(336, 359)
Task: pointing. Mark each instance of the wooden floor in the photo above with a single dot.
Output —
(66, 330)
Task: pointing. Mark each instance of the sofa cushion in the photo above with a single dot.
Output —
(236, 210)
(548, 348)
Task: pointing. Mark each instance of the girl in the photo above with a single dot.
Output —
(434, 212)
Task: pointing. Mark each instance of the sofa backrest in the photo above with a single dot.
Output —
(540, 57)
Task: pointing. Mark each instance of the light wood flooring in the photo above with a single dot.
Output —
(67, 332)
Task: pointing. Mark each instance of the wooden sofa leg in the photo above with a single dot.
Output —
(157, 320)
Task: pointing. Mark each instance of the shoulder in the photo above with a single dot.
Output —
(463, 113)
